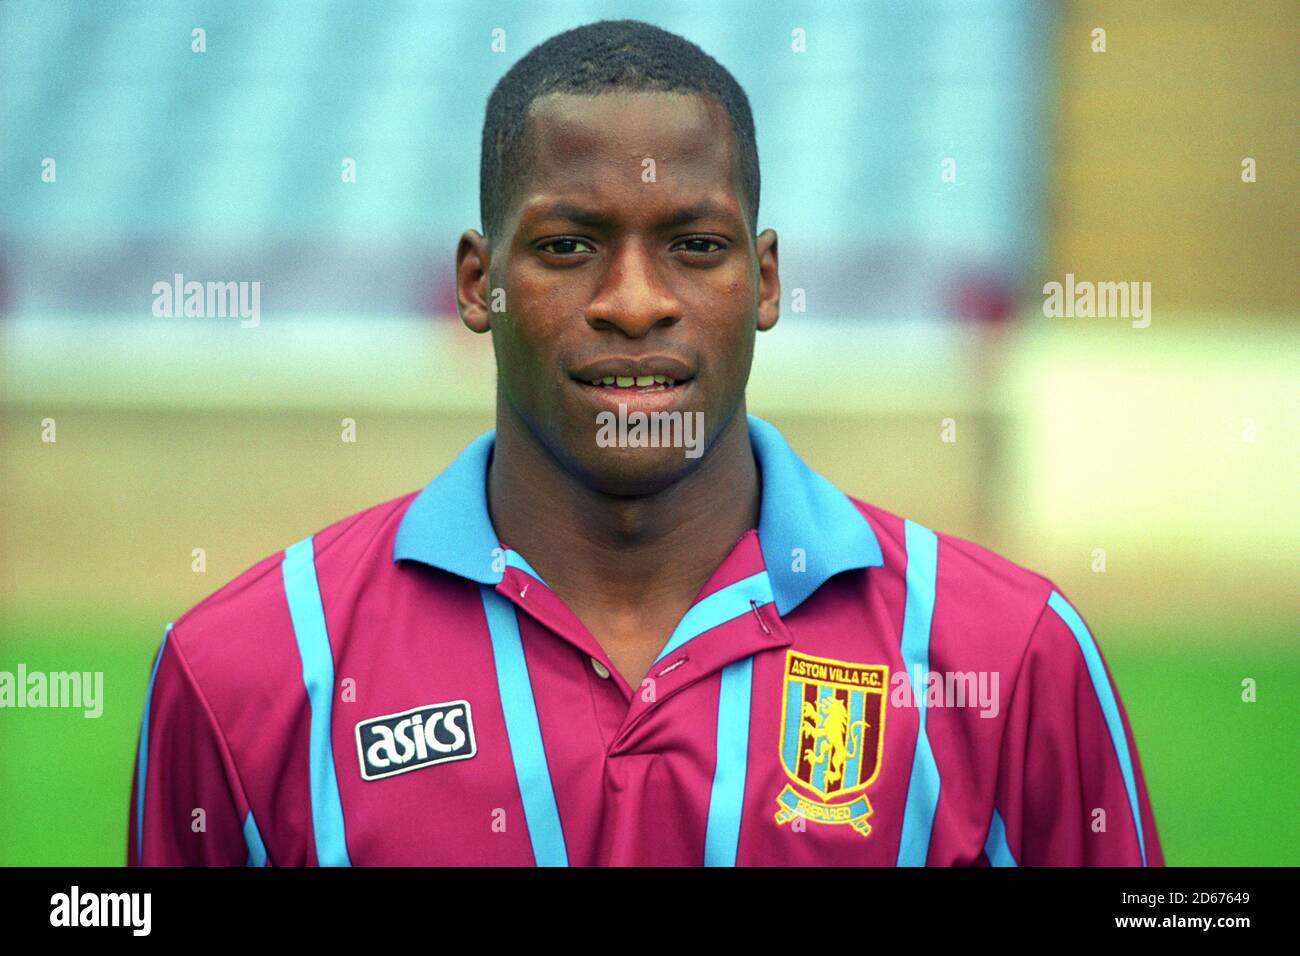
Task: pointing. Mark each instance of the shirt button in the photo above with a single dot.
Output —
(601, 670)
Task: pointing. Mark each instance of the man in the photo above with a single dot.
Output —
(630, 626)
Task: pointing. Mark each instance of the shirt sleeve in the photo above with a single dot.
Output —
(188, 806)
(1070, 787)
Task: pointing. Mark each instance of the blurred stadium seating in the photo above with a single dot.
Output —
(1173, 448)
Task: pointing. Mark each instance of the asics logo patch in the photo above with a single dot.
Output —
(420, 737)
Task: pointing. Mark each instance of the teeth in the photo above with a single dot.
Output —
(638, 381)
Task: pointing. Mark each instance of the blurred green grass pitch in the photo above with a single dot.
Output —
(1222, 773)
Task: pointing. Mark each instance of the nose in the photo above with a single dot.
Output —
(633, 296)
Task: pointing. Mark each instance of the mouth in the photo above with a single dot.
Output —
(639, 384)
(648, 384)
(635, 376)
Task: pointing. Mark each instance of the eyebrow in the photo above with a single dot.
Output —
(705, 209)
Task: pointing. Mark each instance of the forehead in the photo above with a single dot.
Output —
(596, 147)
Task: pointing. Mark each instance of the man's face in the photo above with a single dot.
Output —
(626, 254)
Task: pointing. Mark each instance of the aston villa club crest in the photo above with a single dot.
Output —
(832, 733)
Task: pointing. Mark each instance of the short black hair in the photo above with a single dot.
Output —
(602, 57)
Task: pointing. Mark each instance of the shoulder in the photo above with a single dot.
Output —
(987, 614)
(245, 629)
(960, 564)
(981, 600)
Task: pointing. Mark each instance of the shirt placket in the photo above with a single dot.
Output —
(544, 606)
(734, 620)
(752, 631)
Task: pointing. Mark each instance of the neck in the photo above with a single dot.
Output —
(603, 550)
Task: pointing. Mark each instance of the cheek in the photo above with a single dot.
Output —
(514, 356)
(738, 361)
(536, 309)
(526, 347)
(732, 363)
(731, 335)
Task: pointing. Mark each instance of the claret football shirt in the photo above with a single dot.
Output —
(849, 688)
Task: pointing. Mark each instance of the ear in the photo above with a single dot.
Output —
(769, 281)
(473, 258)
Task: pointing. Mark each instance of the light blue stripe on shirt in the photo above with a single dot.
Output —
(541, 814)
(727, 797)
(253, 840)
(142, 755)
(918, 613)
(1109, 706)
(718, 608)
(305, 609)
(995, 844)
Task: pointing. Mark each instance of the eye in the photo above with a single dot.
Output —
(567, 243)
(697, 241)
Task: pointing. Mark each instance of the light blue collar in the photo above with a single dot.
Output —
(808, 528)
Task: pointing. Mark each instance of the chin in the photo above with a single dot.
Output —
(633, 472)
